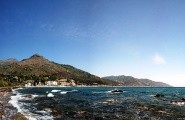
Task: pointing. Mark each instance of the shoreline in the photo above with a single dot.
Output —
(101, 86)
(7, 110)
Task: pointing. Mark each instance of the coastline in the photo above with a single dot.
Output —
(7, 111)
(98, 86)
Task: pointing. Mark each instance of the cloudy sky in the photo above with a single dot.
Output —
(140, 38)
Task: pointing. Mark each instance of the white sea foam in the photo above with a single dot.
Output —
(50, 95)
(100, 92)
(55, 90)
(152, 95)
(179, 103)
(115, 92)
(14, 102)
(43, 115)
(95, 92)
(109, 91)
(74, 90)
(34, 96)
(63, 92)
(42, 111)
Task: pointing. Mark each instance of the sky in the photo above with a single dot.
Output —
(139, 38)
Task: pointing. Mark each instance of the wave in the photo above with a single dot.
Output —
(111, 91)
(95, 92)
(74, 90)
(55, 90)
(14, 102)
(63, 92)
(37, 115)
(101, 92)
(179, 103)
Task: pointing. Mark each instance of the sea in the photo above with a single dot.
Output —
(100, 103)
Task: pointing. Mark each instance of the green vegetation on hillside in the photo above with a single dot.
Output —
(131, 81)
(3, 83)
(37, 69)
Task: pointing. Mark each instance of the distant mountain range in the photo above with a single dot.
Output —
(131, 81)
(40, 70)
(8, 61)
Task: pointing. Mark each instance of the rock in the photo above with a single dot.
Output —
(98, 118)
(2, 114)
(19, 116)
(50, 95)
(7, 111)
(28, 96)
(1, 104)
(116, 91)
(159, 95)
(183, 99)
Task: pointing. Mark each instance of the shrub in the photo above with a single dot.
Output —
(3, 83)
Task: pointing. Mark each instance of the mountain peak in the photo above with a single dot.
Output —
(36, 56)
(38, 69)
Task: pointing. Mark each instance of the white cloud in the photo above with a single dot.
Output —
(47, 27)
(158, 59)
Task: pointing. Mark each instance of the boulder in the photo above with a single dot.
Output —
(159, 95)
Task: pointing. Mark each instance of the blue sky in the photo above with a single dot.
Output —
(141, 38)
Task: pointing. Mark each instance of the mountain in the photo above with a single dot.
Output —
(131, 81)
(38, 69)
(8, 61)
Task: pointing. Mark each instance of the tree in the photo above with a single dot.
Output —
(53, 77)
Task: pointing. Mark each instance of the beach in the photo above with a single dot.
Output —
(7, 111)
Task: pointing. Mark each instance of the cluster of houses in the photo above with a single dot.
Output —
(61, 82)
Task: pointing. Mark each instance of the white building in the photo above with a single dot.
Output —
(51, 83)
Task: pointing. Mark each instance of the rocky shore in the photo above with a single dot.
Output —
(7, 111)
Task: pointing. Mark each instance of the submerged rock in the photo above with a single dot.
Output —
(159, 95)
(116, 91)
(183, 99)
(98, 118)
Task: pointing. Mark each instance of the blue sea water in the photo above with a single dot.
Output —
(99, 103)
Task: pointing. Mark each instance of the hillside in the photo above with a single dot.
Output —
(8, 61)
(38, 69)
(131, 81)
